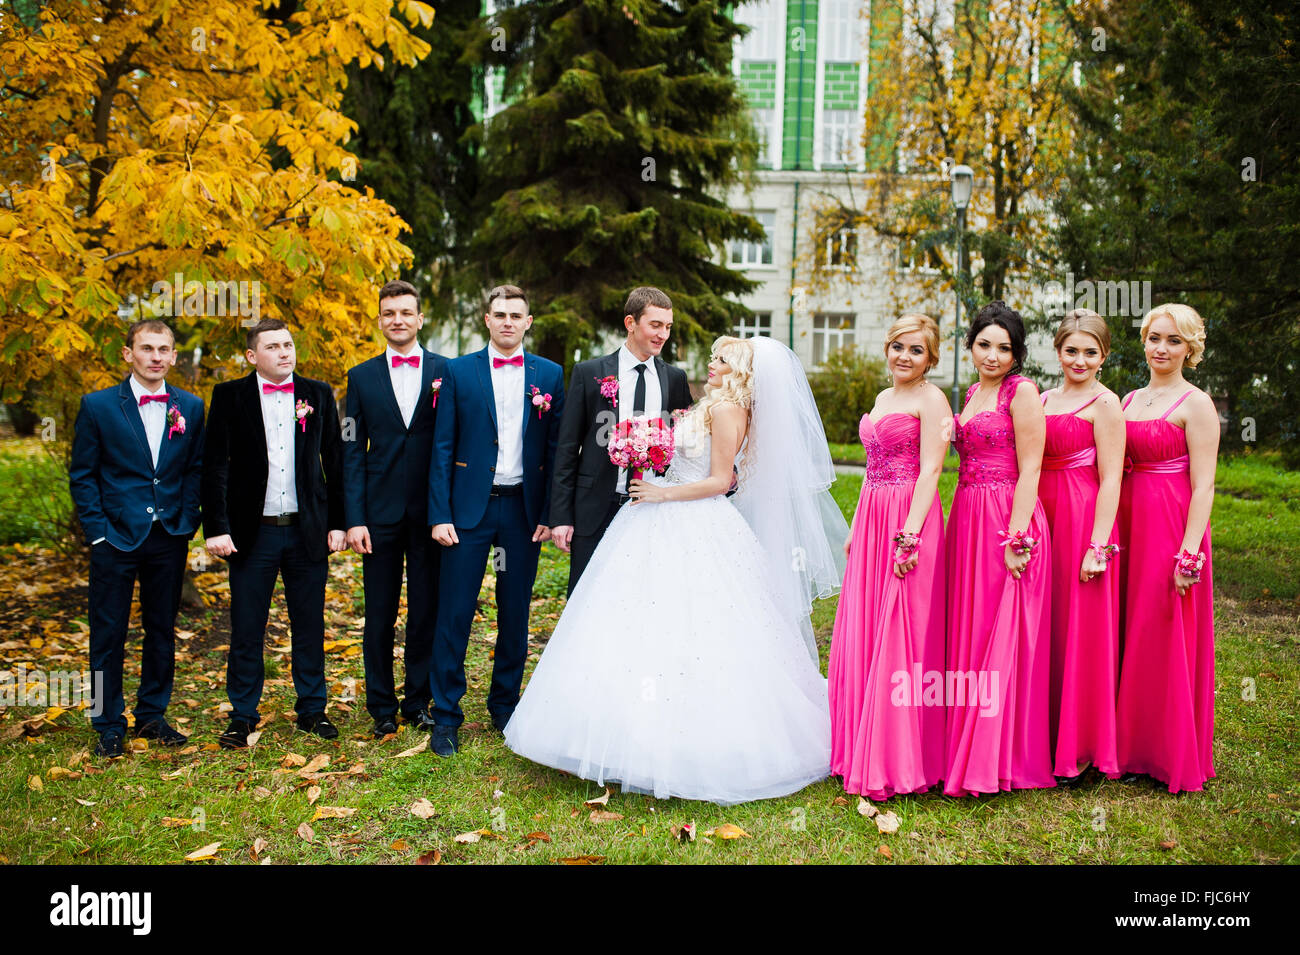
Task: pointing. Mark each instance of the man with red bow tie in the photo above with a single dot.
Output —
(489, 493)
(273, 505)
(137, 458)
(392, 404)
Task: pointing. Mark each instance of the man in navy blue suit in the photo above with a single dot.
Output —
(137, 463)
(489, 491)
(392, 404)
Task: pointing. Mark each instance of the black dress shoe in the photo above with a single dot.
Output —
(109, 745)
(161, 731)
(444, 740)
(384, 726)
(1129, 779)
(319, 724)
(236, 735)
(499, 722)
(421, 719)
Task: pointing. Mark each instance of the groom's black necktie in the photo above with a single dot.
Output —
(638, 397)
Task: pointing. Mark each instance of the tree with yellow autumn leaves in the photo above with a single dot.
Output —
(190, 162)
(980, 84)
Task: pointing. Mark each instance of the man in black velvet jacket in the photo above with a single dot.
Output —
(272, 505)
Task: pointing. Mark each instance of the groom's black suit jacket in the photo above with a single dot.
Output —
(235, 464)
(584, 480)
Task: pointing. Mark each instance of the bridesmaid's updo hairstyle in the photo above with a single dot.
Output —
(1087, 321)
(738, 386)
(1008, 319)
(1189, 324)
(916, 323)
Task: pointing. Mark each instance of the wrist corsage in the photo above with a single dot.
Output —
(1020, 542)
(1103, 552)
(905, 545)
(1189, 565)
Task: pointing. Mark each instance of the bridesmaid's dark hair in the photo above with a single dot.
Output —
(1008, 319)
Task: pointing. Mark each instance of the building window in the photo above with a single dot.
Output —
(832, 331)
(839, 251)
(842, 30)
(763, 41)
(918, 261)
(750, 255)
(758, 324)
(764, 121)
(839, 137)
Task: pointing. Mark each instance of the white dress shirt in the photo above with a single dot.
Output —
(405, 380)
(278, 422)
(508, 393)
(153, 415)
(627, 363)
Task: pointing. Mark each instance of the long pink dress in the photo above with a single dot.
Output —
(1165, 716)
(1085, 616)
(885, 738)
(999, 628)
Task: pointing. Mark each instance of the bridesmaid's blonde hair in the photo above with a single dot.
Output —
(916, 323)
(1090, 323)
(738, 386)
(1189, 324)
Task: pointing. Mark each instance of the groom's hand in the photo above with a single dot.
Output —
(541, 534)
(445, 534)
(562, 536)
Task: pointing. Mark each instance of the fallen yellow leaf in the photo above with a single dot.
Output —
(332, 812)
(35, 783)
(206, 852)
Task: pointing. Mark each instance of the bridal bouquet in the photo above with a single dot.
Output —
(641, 444)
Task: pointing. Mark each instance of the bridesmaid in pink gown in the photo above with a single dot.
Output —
(889, 626)
(999, 621)
(1165, 717)
(1082, 462)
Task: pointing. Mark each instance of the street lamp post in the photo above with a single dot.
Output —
(962, 181)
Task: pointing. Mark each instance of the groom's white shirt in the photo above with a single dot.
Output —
(508, 394)
(654, 403)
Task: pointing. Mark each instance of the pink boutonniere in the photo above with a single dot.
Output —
(175, 421)
(609, 388)
(542, 402)
(300, 411)
(435, 386)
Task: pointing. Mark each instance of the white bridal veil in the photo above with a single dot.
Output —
(785, 474)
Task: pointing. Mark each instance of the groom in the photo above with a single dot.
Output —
(588, 489)
(489, 487)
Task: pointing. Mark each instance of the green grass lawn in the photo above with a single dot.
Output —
(59, 805)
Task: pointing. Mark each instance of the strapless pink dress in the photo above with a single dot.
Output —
(885, 738)
(1165, 716)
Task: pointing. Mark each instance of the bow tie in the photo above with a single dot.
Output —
(517, 361)
(413, 361)
(145, 399)
(269, 389)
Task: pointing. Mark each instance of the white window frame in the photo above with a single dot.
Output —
(749, 255)
(828, 338)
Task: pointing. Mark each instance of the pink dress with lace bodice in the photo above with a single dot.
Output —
(999, 628)
(885, 738)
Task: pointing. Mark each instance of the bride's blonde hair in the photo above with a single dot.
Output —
(738, 386)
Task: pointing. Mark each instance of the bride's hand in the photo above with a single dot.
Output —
(643, 491)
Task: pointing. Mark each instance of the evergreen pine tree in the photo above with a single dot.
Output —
(606, 169)
(414, 151)
(1188, 177)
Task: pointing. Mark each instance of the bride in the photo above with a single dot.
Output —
(684, 664)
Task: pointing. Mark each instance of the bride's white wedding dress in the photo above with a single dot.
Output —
(671, 670)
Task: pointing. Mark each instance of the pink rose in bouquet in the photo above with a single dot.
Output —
(641, 444)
